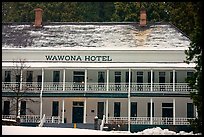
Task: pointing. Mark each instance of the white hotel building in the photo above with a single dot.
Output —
(129, 72)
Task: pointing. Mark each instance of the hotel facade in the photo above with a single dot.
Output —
(130, 72)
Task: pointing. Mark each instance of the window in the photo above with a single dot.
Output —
(190, 110)
(161, 77)
(100, 111)
(116, 109)
(23, 108)
(149, 77)
(55, 108)
(140, 77)
(56, 76)
(17, 81)
(78, 103)
(29, 76)
(167, 109)
(17, 78)
(78, 79)
(6, 110)
(133, 109)
(162, 80)
(39, 81)
(127, 78)
(117, 80)
(171, 77)
(149, 109)
(101, 78)
(139, 80)
(7, 76)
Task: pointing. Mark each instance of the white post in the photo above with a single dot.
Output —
(196, 112)
(21, 87)
(174, 111)
(173, 79)
(41, 93)
(129, 102)
(85, 81)
(106, 110)
(107, 80)
(21, 80)
(19, 108)
(85, 110)
(151, 80)
(151, 111)
(64, 80)
(63, 111)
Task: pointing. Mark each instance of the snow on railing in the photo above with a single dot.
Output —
(42, 121)
(102, 123)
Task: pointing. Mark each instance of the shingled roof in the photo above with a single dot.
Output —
(93, 35)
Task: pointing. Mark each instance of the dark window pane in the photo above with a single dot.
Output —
(6, 110)
(190, 110)
(149, 109)
(133, 109)
(7, 76)
(23, 108)
(55, 108)
(116, 109)
(100, 111)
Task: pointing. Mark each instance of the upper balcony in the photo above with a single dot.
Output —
(69, 87)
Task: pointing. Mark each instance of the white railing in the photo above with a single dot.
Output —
(111, 120)
(34, 118)
(53, 86)
(113, 87)
(12, 117)
(30, 118)
(146, 120)
(53, 119)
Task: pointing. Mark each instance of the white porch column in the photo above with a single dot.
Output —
(85, 110)
(63, 111)
(106, 110)
(151, 111)
(85, 81)
(64, 72)
(19, 107)
(129, 101)
(21, 80)
(41, 115)
(174, 111)
(196, 112)
(21, 87)
(173, 79)
(107, 79)
(151, 88)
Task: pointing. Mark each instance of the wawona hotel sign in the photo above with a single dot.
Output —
(77, 58)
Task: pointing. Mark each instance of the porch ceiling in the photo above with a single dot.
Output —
(101, 65)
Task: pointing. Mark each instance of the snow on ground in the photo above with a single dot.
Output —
(22, 130)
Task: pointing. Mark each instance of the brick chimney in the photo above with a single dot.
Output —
(143, 17)
(38, 17)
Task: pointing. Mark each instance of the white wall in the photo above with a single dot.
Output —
(115, 56)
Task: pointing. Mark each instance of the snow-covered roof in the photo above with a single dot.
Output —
(111, 36)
